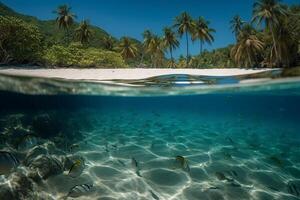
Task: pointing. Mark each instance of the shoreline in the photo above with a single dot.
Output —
(125, 74)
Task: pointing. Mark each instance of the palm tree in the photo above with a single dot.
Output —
(127, 48)
(203, 32)
(108, 43)
(65, 19)
(245, 52)
(156, 49)
(83, 32)
(147, 35)
(184, 25)
(170, 41)
(171, 63)
(269, 11)
(237, 25)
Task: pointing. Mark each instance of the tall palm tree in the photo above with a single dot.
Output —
(245, 52)
(202, 32)
(156, 49)
(269, 11)
(236, 25)
(65, 18)
(108, 43)
(147, 36)
(170, 41)
(127, 48)
(83, 32)
(185, 25)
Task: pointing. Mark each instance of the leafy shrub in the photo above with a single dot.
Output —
(19, 41)
(217, 58)
(76, 55)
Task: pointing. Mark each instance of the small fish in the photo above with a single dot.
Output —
(183, 163)
(135, 166)
(154, 195)
(77, 168)
(7, 162)
(79, 190)
(27, 142)
(292, 189)
(276, 161)
(221, 176)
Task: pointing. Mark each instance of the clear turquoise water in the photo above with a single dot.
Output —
(250, 136)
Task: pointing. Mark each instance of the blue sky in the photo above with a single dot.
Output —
(132, 17)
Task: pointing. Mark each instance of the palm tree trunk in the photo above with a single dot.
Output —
(187, 48)
(249, 58)
(171, 52)
(152, 61)
(275, 46)
(142, 58)
(201, 47)
(67, 39)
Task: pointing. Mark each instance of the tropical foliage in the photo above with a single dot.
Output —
(276, 44)
(108, 43)
(185, 25)
(83, 32)
(127, 48)
(79, 56)
(219, 57)
(248, 47)
(20, 42)
(171, 42)
(270, 39)
(156, 50)
(65, 19)
(237, 25)
(272, 13)
(202, 32)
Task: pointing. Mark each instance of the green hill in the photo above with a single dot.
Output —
(50, 30)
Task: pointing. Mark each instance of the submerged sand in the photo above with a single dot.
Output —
(138, 73)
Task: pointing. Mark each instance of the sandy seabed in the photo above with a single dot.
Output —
(226, 161)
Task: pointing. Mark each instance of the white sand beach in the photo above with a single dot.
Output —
(137, 73)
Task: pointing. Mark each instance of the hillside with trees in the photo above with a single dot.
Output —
(269, 39)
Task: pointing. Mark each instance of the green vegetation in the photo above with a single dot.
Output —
(202, 32)
(83, 32)
(185, 25)
(276, 45)
(20, 42)
(77, 55)
(270, 39)
(65, 19)
(236, 25)
(248, 47)
(219, 57)
(127, 48)
(170, 41)
(51, 31)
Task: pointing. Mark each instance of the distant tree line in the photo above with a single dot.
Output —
(270, 39)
